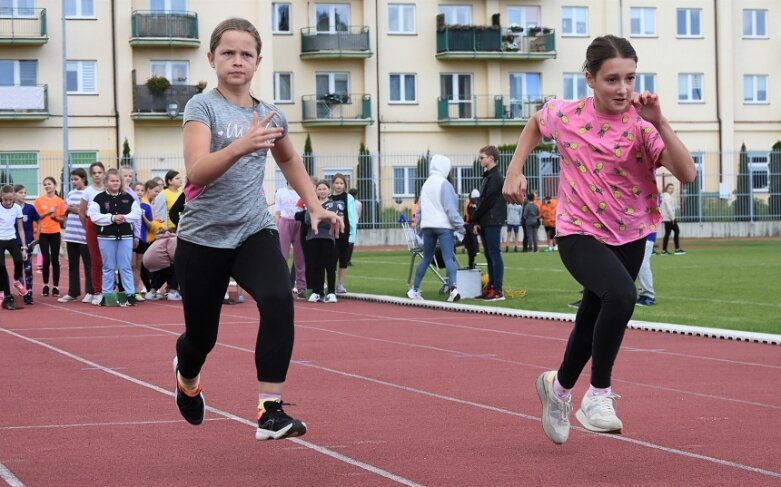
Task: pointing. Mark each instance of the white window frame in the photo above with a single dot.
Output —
(168, 70)
(463, 101)
(408, 176)
(519, 16)
(750, 81)
(576, 81)
(79, 66)
(17, 70)
(332, 81)
(403, 99)
(641, 80)
(33, 187)
(77, 8)
(699, 166)
(18, 12)
(456, 14)
(276, 17)
(278, 75)
(401, 11)
(572, 14)
(167, 6)
(689, 82)
(643, 16)
(759, 162)
(331, 7)
(756, 18)
(688, 26)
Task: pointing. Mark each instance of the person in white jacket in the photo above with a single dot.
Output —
(667, 208)
(437, 220)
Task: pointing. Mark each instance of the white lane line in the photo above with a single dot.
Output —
(88, 425)
(9, 478)
(322, 450)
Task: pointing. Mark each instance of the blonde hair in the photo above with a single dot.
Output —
(237, 24)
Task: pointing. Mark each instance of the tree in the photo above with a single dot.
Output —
(422, 172)
(309, 159)
(775, 181)
(743, 200)
(126, 160)
(365, 186)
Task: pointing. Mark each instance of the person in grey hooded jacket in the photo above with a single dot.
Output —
(437, 220)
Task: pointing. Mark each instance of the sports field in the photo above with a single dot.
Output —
(731, 284)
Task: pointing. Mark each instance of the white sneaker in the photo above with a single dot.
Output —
(87, 299)
(555, 412)
(598, 413)
(414, 295)
(330, 298)
(454, 295)
(66, 299)
(173, 296)
(314, 298)
(97, 298)
(153, 296)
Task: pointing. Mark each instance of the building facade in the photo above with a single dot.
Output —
(398, 76)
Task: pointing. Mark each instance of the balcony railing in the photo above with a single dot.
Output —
(23, 26)
(489, 42)
(174, 29)
(24, 102)
(488, 110)
(351, 43)
(167, 105)
(337, 109)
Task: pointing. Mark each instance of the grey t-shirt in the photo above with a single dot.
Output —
(225, 212)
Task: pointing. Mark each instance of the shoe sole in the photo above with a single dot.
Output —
(540, 384)
(583, 420)
(176, 385)
(286, 432)
(454, 300)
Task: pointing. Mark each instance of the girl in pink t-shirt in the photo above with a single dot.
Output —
(610, 146)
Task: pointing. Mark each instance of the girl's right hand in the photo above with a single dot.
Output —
(514, 189)
(260, 135)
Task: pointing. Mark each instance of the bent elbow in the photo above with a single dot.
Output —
(688, 176)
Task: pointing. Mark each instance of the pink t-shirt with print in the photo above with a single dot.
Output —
(607, 187)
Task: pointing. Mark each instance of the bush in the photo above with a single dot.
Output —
(157, 85)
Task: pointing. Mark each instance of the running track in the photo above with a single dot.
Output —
(392, 395)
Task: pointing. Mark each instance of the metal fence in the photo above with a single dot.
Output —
(387, 183)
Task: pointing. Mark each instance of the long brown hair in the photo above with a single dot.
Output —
(238, 24)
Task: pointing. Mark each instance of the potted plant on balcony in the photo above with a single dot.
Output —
(157, 85)
(336, 98)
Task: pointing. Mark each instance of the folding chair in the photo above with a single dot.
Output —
(415, 247)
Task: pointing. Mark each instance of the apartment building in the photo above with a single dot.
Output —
(399, 76)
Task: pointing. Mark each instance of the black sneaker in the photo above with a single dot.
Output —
(275, 424)
(28, 298)
(55, 291)
(45, 291)
(131, 300)
(8, 303)
(193, 409)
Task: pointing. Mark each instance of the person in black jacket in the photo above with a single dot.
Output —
(488, 219)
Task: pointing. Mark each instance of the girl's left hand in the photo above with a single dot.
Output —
(648, 107)
(320, 214)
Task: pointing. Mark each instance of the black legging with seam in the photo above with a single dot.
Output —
(258, 267)
(607, 274)
(50, 250)
(671, 227)
(12, 246)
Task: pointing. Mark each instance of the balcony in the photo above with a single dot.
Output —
(166, 106)
(351, 44)
(488, 110)
(489, 42)
(168, 29)
(24, 102)
(354, 109)
(23, 26)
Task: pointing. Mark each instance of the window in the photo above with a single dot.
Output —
(525, 94)
(402, 88)
(456, 88)
(332, 17)
(689, 22)
(17, 8)
(575, 86)
(523, 16)
(81, 77)
(457, 14)
(18, 73)
(689, 87)
(401, 19)
(338, 83)
(759, 170)
(404, 181)
(642, 21)
(168, 5)
(574, 21)
(80, 9)
(280, 18)
(21, 168)
(83, 158)
(755, 88)
(754, 23)
(177, 72)
(283, 87)
(645, 82)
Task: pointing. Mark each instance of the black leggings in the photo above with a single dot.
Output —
(607, 274)
(50, 250)
(12, 246)
(258, 267)
(78, 251)
(323, 262)
(671, 226)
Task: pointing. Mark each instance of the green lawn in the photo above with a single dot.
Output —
(733, 284)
